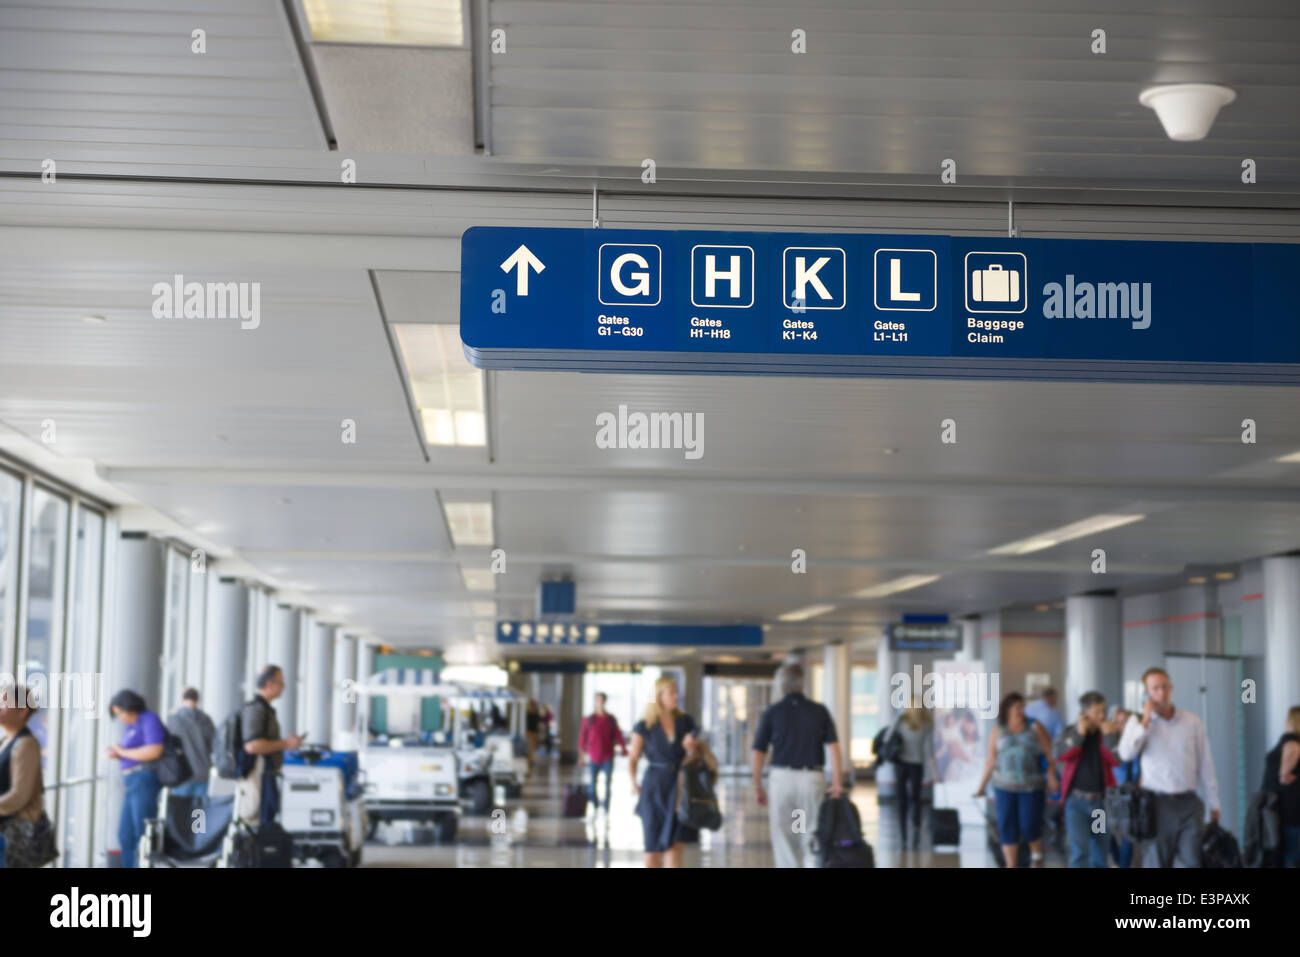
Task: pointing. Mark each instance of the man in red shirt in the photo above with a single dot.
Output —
(596, 739)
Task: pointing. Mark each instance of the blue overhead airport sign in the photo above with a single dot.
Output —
(573, 633)
(920, 636)
(609, 300)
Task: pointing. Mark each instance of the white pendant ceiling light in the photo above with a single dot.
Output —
(1187, 110)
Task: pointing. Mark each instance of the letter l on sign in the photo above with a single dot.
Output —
(896, 293)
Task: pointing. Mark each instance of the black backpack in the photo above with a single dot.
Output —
(172, 767)
(839, 840)
(1219, 848)
(228, 755)
(887, 745)
(1131, 812)
(697, 806)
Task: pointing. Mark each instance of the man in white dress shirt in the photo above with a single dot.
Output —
(1175, 761)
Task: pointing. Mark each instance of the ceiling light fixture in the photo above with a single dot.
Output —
(1187, 110)
(447, 389)
(470, 522)
(803, 614)
(406, 22)
(1055, 536)
(895, 585)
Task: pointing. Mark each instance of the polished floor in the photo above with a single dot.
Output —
(547, 839)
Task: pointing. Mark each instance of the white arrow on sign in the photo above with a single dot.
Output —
(522, 259)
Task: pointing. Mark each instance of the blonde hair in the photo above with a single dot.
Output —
(916, 718)
(652, 710)
(1293, 720)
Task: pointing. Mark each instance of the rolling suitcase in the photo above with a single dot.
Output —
(575, 798)
(945, 827)
(269, 845)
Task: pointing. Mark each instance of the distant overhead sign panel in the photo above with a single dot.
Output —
(924, 637)
(573, 633)
(608, 300)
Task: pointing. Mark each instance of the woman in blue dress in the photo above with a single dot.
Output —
(666, 737)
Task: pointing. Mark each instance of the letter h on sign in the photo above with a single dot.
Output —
(722, 277)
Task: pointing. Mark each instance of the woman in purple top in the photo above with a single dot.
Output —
(142, 742)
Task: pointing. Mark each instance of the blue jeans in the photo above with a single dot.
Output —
(1122, 848)
(139, 803)
(195, 789)
(1020, 816)
(1086, 848)
(1291, 846)
(596, 768)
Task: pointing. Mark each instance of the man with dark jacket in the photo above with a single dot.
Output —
(196, 731)
(1087, 763)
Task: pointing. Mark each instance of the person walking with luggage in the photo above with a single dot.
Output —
(597, 736)
(1282, 776)
(916, 734)
(142, 741)
(666, 736)
(259, 790)
(1174, 756)
(1126, 772)
(800, 732)
(1043, 710)
(197, 732)
(1083, 752)
(1019, 785)
(532, 731)
(26, 828)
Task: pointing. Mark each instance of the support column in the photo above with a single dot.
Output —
(283, 651)
(343, 694)
(132, 656)
(1093, 649)
(836, 687)
(1281, 686)
(569, 714)
(693, 690)
(227, 642)
(317, 686)
(970, 640)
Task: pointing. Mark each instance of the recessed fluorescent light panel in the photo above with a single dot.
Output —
(1089, 526)
(426, 23)
(470, 522)
(448, 390)
(478, 579)
(802, 614)
(895, 585)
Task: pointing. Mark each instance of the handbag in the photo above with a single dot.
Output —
(697, 805)
(28, 843)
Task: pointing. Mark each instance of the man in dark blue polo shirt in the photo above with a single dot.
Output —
(799, 733)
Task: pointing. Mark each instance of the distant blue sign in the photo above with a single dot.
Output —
(572, 633)
(917, 636)
(857, 304)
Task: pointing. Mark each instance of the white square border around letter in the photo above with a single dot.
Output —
(753, 268)
(875, 280)
(659, 273)
(965, 280)
(844, 277)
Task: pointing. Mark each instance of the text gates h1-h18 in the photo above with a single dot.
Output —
(607, 300)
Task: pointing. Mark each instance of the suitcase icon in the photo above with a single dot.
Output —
(995, 284)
